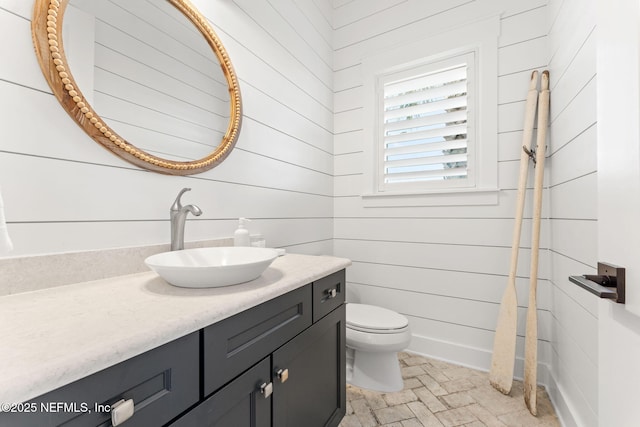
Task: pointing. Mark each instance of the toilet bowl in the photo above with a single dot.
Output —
(374, 337)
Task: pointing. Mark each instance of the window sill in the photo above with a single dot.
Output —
(449, 197)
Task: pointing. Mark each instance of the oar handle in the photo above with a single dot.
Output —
(544, 81)
(533, 84)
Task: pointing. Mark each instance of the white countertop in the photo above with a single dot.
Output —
(53, 337)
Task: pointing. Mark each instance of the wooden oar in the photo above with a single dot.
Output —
(504, 344)
(531, 340)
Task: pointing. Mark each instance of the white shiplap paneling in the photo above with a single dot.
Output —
(573, 384)
(63, 192)
(446, 262)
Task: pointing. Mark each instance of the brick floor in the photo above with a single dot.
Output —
(438, 394)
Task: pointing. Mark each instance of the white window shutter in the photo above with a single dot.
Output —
(426, 124)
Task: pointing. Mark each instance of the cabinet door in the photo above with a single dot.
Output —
(238, 404)
(311, 390)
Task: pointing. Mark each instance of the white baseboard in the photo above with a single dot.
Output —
(561, 405)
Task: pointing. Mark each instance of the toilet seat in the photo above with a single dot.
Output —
(375, 320)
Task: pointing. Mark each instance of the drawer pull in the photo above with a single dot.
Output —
(266, 389)
(121, 411)
(283, 375)
(331, 293)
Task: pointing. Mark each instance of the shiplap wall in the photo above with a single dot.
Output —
(445, 268)
(63, 192)
(573, 218)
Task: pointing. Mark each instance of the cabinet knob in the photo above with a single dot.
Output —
(266, 389)
(121, 411)
(283, 375)
(331, 293)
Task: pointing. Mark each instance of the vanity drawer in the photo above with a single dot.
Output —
(328, 294)
(233, 344)
(162, 382)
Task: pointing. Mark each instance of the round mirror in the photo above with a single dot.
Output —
(148, 79)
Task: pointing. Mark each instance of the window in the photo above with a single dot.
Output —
(430, 124)
(427, 133)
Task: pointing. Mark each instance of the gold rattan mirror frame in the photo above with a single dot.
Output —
(46, 28)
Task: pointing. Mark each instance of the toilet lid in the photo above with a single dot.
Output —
(370, 317)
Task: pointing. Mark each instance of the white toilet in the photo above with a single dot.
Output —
(374, 336)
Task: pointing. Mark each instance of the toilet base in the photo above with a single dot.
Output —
(378, 371)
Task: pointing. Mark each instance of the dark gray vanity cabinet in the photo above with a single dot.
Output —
(302, 336)
(302, 383)
(278, 364)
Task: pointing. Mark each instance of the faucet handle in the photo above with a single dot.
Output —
(177, 205)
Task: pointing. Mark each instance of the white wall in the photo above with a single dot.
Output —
(444, 267)
(63, 192)
(573, 384)
(618, 113)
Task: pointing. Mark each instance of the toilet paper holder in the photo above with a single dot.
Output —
(609, 283)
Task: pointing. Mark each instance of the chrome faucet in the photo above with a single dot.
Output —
(178, 214)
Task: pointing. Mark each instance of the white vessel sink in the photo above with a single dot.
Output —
(211, 267)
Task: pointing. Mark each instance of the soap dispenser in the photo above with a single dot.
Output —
(241, 235)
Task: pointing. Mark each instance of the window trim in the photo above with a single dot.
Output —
(479, 37)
